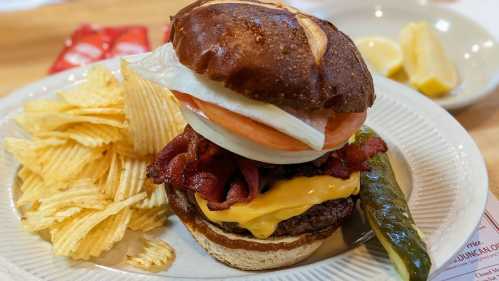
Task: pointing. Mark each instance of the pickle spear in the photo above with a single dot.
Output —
(386, 210)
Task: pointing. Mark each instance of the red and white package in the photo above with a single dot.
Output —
(130, 41)
(86, 45)
(89, 44)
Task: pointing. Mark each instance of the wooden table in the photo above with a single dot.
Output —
(30, 41)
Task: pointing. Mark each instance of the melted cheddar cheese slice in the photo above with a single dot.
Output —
(286, 199)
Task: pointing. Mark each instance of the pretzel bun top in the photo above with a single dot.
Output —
(273, 53)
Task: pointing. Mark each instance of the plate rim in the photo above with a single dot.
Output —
(15, 98)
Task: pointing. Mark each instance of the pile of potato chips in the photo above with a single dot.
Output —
(83, 175)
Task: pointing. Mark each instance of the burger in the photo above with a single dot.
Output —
(268, 166)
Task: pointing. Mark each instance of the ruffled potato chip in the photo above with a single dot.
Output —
(38, 122)
(132, 178)
(98, 168)
(103, 236)
(100, 90)
(125, 149)
(24, 173)
(63, 163)
(149, 219)
(82, 193)
(33, 188)
(67, 237)
(95, 135)
(157, 197)
(57, 206)
(153, 115)
(157, 255)
(41, 143)
(92, 135)
(112, 181)
(25, 152)
(36, 222)
(46, 106)
(96, 111)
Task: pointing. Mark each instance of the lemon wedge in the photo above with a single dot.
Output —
(429, 69)
(383, 54)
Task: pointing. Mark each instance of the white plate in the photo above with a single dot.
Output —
(474, 51)
(435, 160)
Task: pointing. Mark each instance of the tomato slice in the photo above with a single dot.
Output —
(342, 126)
(339, 127)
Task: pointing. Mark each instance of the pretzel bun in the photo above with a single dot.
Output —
(273, 53)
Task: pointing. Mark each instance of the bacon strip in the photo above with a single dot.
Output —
(223, 178)
(191, 162)
(353, 157)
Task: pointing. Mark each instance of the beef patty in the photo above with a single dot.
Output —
(327, 214)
